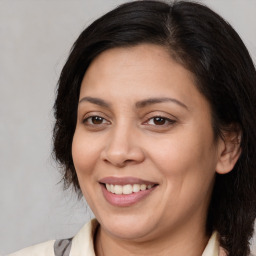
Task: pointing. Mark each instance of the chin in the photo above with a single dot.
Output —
(128, 227)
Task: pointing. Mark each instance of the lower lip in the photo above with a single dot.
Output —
(125, 200)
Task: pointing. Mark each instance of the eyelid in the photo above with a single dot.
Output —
(170, 120)
(87, 118)
(95, 114)
(162, 114)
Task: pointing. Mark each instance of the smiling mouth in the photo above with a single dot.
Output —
(126, 191)
(126, 195)
(128, 188)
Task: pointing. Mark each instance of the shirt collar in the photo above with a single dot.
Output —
(83, 241)
(212, 247)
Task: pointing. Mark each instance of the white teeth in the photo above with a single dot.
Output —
(118, 189)
(136, 188)
(127, 189)
(143, 187)
(108, 187)
(112, 188)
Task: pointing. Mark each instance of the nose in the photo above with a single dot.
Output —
(123, 148)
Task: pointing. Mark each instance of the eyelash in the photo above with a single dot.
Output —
(85, 121)
(167, 121)
(88, 121)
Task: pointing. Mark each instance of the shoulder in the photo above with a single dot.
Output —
(80, 243)
(43, 249)
(51, 248)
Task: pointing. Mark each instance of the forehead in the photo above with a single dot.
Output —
(140, 64)
(134, 73)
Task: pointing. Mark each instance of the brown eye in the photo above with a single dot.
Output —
(159, 120)
(97, 120)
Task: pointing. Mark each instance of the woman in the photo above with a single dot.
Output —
(155, 126)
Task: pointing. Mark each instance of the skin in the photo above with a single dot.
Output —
(180, 155)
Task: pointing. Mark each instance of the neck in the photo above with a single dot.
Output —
(181, 243)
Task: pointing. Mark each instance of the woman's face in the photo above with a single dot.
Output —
(144, 129)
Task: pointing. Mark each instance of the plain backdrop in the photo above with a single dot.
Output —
(35, 38)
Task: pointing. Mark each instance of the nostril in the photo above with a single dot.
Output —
(119, 163)
(128, 161)
(121, 156)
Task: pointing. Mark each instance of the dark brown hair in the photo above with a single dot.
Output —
(208, 46)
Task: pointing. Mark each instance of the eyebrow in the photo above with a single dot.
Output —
(139, 104)
(151, 101)
(96, 101)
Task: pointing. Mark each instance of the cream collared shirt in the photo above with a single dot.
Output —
(82, 244)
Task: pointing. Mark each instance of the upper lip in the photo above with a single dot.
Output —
(125, 180)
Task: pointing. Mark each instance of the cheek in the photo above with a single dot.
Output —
(84, 153)
(181, 153)
(187, 162)
(187, 176)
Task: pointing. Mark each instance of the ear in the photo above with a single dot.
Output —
(229, 150)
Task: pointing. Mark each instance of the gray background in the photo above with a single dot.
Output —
(35, 38)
